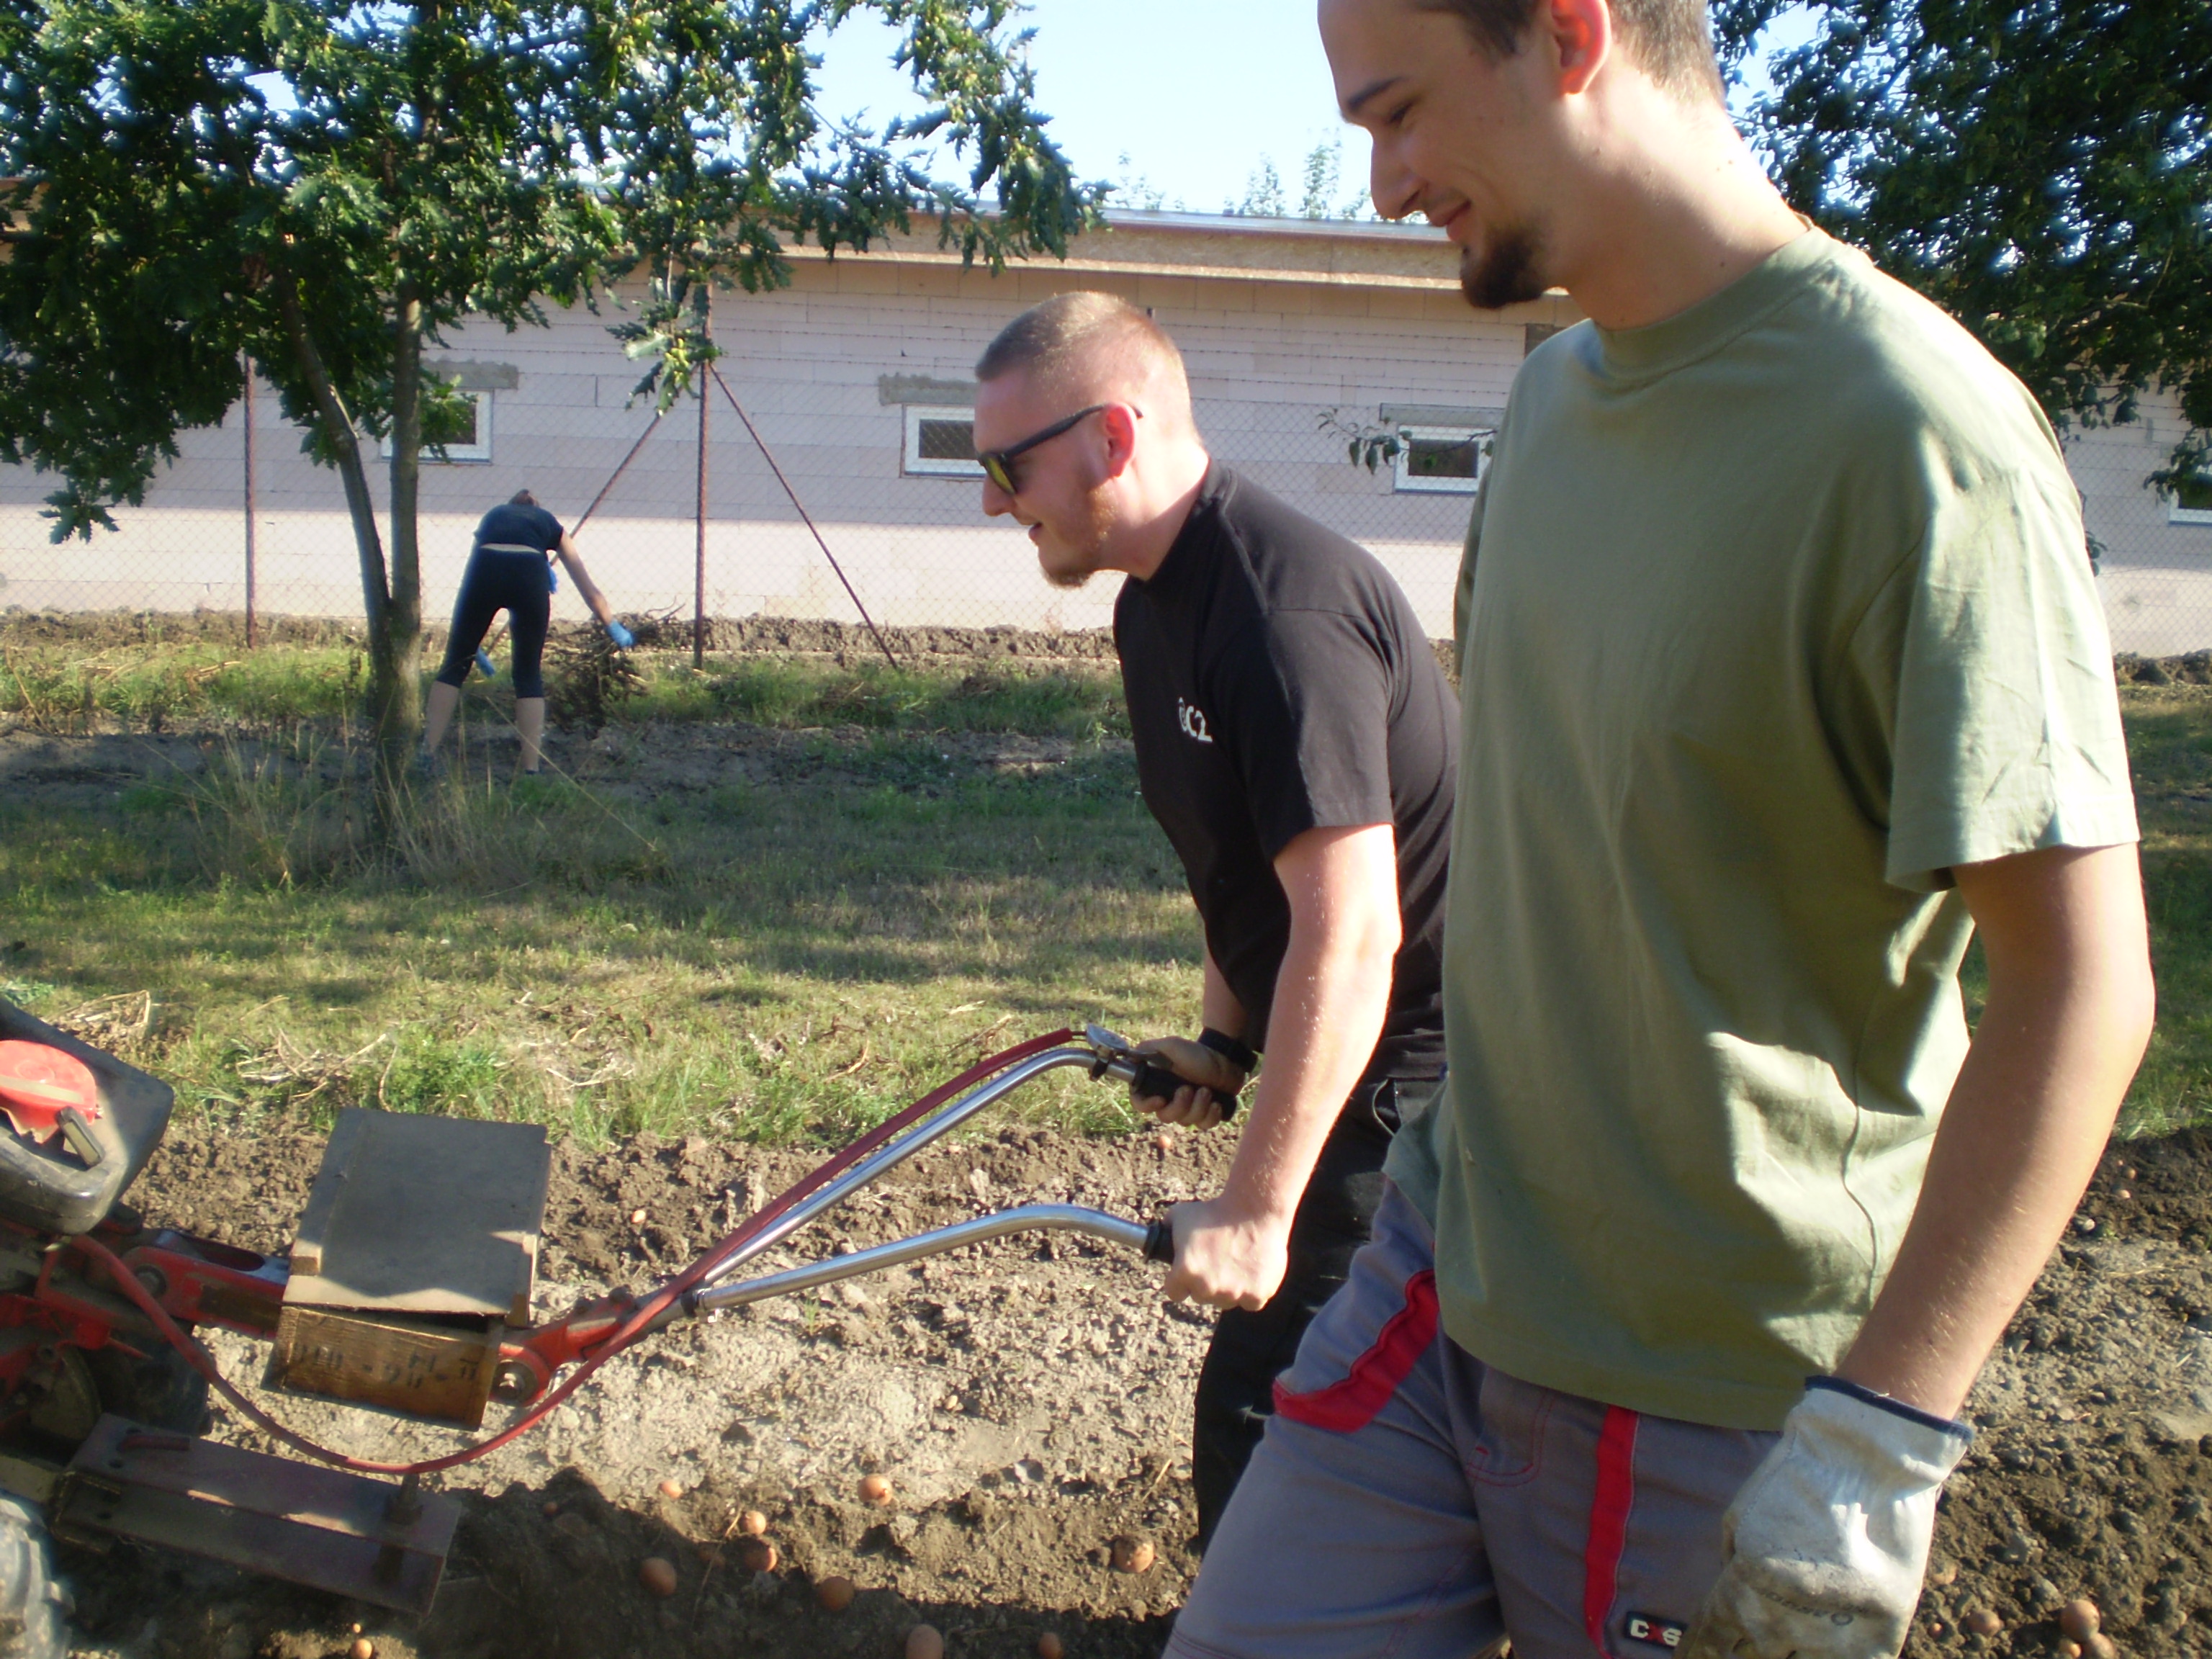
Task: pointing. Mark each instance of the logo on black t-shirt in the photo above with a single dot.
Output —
(1192, 719)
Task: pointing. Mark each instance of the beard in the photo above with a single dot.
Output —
(1503, 271)
(1077, 562)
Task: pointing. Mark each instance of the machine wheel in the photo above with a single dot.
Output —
(33, 1603)
(163, 1392)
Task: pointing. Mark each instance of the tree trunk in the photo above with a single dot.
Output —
(338, 427)
(399, 720)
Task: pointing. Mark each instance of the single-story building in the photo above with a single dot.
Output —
(1301, 335)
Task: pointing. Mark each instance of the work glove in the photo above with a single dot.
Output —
(1210, 1081)
(552, 577)
(621, 635)
(1825, 1545)
(486, 666)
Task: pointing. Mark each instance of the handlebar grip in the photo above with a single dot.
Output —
(1158, 1082)
(1159, 1241)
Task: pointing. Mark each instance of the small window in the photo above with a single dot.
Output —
(473, 445)
(941, 442)
(2192, 502)
(1441, 460)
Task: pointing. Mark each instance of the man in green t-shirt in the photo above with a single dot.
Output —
(1782, 673)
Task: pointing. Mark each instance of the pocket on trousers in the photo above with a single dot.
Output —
(1351, 1402)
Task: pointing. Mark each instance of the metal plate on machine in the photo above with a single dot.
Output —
(322, 1528)
(424, 1215)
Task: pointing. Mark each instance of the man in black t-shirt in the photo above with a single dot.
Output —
(1295, 739)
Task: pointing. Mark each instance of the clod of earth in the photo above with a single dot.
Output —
(1132, 1555)
(658, 1575)
(835, 1593)
(924, 1642)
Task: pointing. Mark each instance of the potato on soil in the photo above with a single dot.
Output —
(752, 1522)
(658, 1575)
(1050, 1647)
(874, 1489)
(923, 1642)
(671, 1487)
(756, 1555)
(1982, 1622)
(1132, 1555)
(835, 1593)
(363, 1648)
(2080, 1619)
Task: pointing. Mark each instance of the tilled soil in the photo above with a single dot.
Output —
(1029, 1400)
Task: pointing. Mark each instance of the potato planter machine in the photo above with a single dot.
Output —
(407, 1289)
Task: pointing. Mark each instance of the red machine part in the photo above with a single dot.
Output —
(37, 1083)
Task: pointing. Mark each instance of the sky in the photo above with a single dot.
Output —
(1197, 94)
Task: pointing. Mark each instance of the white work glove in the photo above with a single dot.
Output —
(1826, 1545)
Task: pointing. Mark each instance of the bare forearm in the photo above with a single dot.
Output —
(1218, 1007)
(587, 589)
(2030, 1114)
(1331, 997)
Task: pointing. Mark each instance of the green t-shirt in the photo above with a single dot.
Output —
(1771, 613)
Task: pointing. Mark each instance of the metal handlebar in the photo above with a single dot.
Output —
(1152, 1240)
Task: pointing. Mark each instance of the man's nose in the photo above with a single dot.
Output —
(1395, 189)
(996, 501)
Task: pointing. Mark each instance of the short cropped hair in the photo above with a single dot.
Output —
(1054, 341)
(1671, 40)
(522, 498)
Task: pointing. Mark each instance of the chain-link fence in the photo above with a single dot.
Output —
(838, 474)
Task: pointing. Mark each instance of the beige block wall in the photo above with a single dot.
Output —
(2157, 579)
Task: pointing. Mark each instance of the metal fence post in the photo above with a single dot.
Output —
(247, 363)
(699, 552)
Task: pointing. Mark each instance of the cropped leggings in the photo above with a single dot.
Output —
(518, 583)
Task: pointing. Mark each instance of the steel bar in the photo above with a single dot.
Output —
(768, 456)
(904, 1147)
(1029, 1218)
(651, 427)
(251, 506)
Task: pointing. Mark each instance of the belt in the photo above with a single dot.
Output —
(511, 547)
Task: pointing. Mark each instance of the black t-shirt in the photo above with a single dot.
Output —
(510, 525)
(1278, 682)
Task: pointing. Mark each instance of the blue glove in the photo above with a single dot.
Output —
(489, 669)
(552, 579)
(621, 635)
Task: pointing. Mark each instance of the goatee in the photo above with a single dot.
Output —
(1503, 272)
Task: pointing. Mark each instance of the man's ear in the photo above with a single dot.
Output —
(1580, 35)
(1118, 423)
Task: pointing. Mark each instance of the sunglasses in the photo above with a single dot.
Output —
(998, 463)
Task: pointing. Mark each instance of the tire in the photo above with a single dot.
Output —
(33, 1607)
(162, 1392)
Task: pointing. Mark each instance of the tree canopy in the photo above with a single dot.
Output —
(2041, 168)
(326, 186)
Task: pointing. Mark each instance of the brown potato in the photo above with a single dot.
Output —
(835, 1594)
(552, 1508)
(1982, 1622)
(923, 1642)
(752, 1522)
(363, 1648)
(671, 1487)
(874, 1489)
(658, 1575)
(1050, 1647)
(756, 1555)
(2080, 1619)
(2099, 1646)
(1132, 1555)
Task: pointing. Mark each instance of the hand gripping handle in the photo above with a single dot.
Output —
(1159, 1241)
(1157, 1083)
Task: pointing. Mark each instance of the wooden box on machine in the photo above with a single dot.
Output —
(417, 1250)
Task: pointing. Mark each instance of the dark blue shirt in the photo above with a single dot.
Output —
(519, 527)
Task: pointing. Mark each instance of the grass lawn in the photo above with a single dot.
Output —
(793, 959)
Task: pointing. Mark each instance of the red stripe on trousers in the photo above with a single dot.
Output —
(1608, 1527)
(1352, 1402)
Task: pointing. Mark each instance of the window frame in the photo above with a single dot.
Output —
(476, 454)
(2176, 513)
(914, 464)
(1405, 482)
